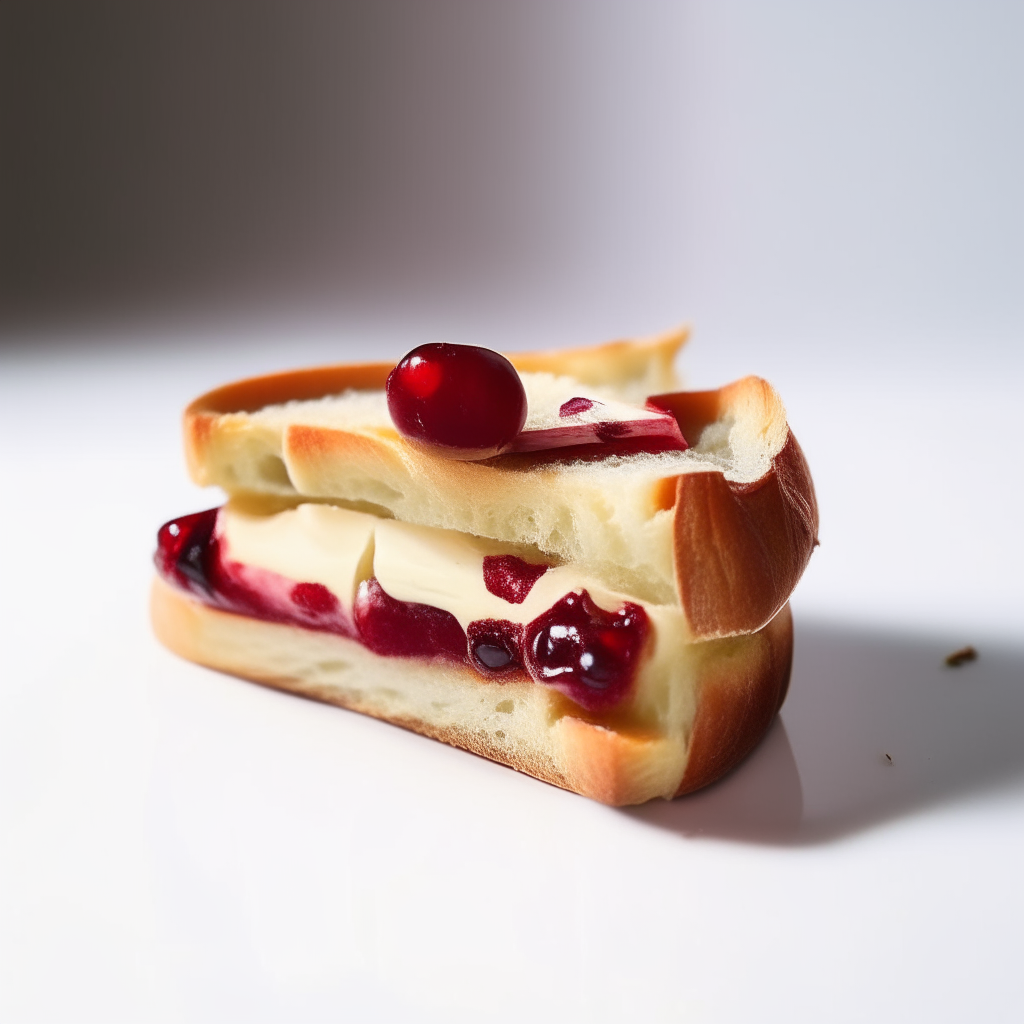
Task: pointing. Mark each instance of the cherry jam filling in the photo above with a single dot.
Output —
(496, 646)
(583, 651)
(510, 578)
(405, 629)
(315, 600)
(576, 647)
(189, 555)
(183, 551)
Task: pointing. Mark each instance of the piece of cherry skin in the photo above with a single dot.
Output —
(511, 578)
(463, 401)
(574, 406)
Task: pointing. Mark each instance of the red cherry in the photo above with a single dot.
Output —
(465, 400)
(588, 654)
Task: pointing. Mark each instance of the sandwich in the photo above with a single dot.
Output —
(557, 560)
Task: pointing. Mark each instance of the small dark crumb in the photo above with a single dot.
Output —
(888, 759)
(957, 658)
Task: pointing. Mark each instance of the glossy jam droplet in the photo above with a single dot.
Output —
(183, 554)
(405, 629)
(495, 645)
(586, 653)
(464, 400)
(510, 578)
(575, 406)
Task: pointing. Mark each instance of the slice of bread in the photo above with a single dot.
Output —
(724, 528)
(725, 695)
(709, 541)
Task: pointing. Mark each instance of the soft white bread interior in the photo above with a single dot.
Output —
(720, 698)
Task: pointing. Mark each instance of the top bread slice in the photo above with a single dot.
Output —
(723, 529)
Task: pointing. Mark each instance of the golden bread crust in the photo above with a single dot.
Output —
(741, 548)
(632, 365)
(738, 698)
(739, 685)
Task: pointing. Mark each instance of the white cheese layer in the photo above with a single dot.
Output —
(309, 544)
(340, 548)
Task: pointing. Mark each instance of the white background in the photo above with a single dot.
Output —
(833, 198)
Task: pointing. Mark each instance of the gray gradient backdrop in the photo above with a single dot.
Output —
(798, 175)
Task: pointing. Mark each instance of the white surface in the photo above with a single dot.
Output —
(179, 845)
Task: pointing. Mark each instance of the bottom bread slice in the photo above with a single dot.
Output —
(730, 691)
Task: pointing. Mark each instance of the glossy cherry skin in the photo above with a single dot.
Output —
(404, 629)
(588, 654)
(464, 401)
(186, 550)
